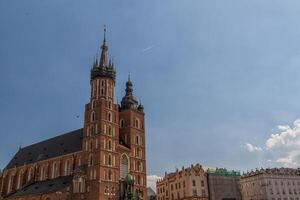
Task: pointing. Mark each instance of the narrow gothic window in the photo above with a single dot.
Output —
(96, 145)
(109, 145)
(137, 123)
(121, 123)
(110, 175)
(109, 117)
(91, 145)
(109, 130)
(91, 162)
(30, 174)
(93, 116)
(53, 174)
(93, 104)
(104, 128)
(19, 183)
(67, 168)
(138, 140)
(96, 129)
(124, 166)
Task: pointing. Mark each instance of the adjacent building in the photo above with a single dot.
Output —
(103, 160)
(187, 183)
(151, 195)
(271, 184)
(223, 184)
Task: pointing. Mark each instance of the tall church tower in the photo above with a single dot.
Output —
(101, 130)
(114, 138)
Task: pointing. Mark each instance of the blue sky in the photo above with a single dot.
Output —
(216, 77)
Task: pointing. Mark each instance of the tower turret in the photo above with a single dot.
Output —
(129, 101)
(103, 68)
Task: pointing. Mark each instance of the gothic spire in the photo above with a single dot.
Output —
(104, 48)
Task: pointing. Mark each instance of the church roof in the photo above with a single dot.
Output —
(44, 187)
(60, 145)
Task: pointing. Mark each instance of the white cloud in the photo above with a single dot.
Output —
(151, 181)
(252, 148)
(283, 147)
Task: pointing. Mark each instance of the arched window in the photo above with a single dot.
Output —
(109, 145)
(20, 178)
(124, 166)
(122, 123)
(30, 174)
(91, 160)
(110, 175)
(138, 152)
(109, 116)
(109, 104)
(138, 181)
(137, 123)
(104, 128)
(108, 159)
(10, 183)
(93, 104)
(93, 117)
(96, 143)
(67, 168)
(87, 130)
(54, 170)
(42, 173)
(102, 88)
(139, 166)
(138, 139)
(91, 145)
(96, 129)
(109, 130)
(86, 145)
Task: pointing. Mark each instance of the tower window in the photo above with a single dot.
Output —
(93, 104)
(109, 116)
(122, 123)
(91, 160)
(138, 140)
(137, 123)
(124, 166)
(93, 117)
(109, 130)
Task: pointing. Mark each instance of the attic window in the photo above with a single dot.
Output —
(65, 150)
(45, 149)
(50, 185)
(62, 144)
(30, 159)
(16, 158)
(29, 153)
(36, 187)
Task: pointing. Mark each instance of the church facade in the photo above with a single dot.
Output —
(103, 160)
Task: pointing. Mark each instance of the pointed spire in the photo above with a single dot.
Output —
(103, 59)
(110, 62)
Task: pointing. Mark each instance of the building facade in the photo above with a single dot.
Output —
(224, 184)
(103, 160)
(271, 184)
(189, 183)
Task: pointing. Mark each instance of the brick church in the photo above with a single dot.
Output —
(105, 160)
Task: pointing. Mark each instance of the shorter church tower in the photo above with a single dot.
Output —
(132, 136)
